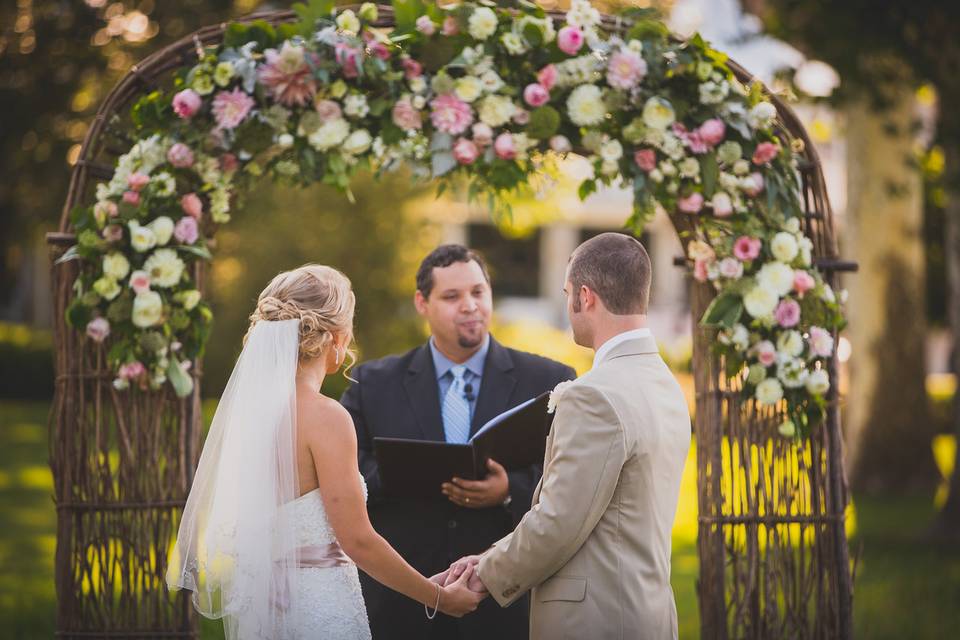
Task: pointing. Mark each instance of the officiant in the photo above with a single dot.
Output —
(445, 390)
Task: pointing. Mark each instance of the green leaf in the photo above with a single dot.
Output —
(405, 14)
(710, 173)
(197, 250)
(235, 35)
(310, 12)
(586, 188)
(533, 35)
(181, 381)
(724, 311)
(78, 314)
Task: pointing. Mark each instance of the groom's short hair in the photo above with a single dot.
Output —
(444, 256)
(617, 268)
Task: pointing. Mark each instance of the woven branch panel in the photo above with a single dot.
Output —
(771, 542)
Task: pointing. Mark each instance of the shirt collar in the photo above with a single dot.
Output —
(474, 364)
(620, 338)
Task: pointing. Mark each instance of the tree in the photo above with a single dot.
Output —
(879, 46)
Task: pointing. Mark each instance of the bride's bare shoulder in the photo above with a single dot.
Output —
(319, 415)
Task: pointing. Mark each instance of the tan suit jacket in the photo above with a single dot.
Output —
(595, 548)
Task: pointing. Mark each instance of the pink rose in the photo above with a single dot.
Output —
(753, 184)
(746, 248)
(465, 151)
(98, 329)
(450, 114)
(482, 134)
(192, 205)
(230, 108)
(411, 68)
(691, 203)
(379, 50)
(646, 159)
(138, 181)
(113, 233)
(131, 197)
(787, 313)
(348, 58)
(187, 103)
(328, 110)
(536, 95)
(766, 353)
(521, 116)
(229, 163)
(731, 268)
(132, 370)
(140, 281)
(701, 270)
(180, 156)
(547, 77)
(405, 115)
(712, 131)
(504, 147)
(426, 26)
(450, 27)
(765, 152)
(802, 282)
(570, 40)
(186, 231)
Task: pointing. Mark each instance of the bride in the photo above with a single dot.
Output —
(276, 524)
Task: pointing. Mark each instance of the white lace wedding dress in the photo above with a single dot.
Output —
(330, 606)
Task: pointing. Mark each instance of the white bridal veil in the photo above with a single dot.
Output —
(236, 549)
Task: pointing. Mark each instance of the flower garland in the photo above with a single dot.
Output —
(467, 91)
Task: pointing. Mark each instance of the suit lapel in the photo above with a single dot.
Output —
(422, 390)
(496, 386)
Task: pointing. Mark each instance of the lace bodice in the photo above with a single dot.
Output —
(310, 518)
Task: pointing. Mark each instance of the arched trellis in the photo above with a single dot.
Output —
(771, 540)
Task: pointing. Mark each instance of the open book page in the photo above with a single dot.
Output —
(492, 422)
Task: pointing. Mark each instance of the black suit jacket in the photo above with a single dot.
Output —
(398, 396)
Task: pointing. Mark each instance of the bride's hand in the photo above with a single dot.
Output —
(457, 599)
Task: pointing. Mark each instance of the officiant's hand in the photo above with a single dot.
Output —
(480, 494)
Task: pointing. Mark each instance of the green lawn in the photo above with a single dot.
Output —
(906, 588)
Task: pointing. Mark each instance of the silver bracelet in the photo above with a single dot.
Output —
(436, 607)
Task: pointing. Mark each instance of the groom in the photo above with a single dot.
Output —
(445, 390)
(594, 550)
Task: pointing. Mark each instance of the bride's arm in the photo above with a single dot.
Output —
(332, 441)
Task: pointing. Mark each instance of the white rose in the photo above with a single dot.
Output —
(355, 105)
(668, 169)
(609, 167)
(790, 344)
(162, 228)
(348, 22)
(776, 277)
(418, 102)
(285, 140)
(116, 266)
(491, 81)
(106, 288)
(658, 113)
(611, 150)
(792, 225)
(357, 142)
(792, 373)
(689, 168)
(418, 84)
(496, 111)
(656, 176)
(762, 115)
(585, 106)
(329, 135)
(673, 147)
(740, 338)
(482, 23)
(729, 152)
(806, 251)
(557, 394)
(769, 392)
(741, 168)
(760, 302)
(147, 309)
(784, 247)
(165, 267)
(468, 88)
(142, 238)
(818, 382)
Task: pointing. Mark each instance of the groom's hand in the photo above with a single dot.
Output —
(456, 570)
(479, 494)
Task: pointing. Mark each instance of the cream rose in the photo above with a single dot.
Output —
(147, 309)
(116, 266)
(784, 247)
(141, 238)
(769, 392)
(162, 228)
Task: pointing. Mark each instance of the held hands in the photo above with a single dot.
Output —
(466, 565)
(479, 494)
(457, 597)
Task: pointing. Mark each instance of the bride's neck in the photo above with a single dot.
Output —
(312, 374)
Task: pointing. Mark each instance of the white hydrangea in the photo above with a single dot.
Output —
(762, 115)
(585, 106)
(220, 205)
(116, 266)
(673, 147)
(760, 302)
(784, 247)
(357, 142)
(582, 14)
(329, 134)
(689, 168)
(714, 91)
(789, 345)
(482, 23)
(769, 392)
(818, 382)
(776, 277)
(468, 88)
(576, 71)
(355, 105)
(490, 81)
(165, 268)
(792, 372)
(496, 110)
(611, 151)
(806, 251)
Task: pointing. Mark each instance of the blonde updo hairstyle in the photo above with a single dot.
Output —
(320, 297)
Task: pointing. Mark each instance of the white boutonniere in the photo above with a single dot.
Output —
(556, 394)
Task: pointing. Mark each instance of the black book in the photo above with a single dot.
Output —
(416, 468)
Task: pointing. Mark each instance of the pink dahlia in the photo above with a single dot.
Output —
(230, 108)
(287, 75)
(405, 115)
(450, 114)
(626, 70)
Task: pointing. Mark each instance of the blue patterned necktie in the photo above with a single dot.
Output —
(456, 409)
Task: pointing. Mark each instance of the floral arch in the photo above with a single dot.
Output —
(476, 93)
